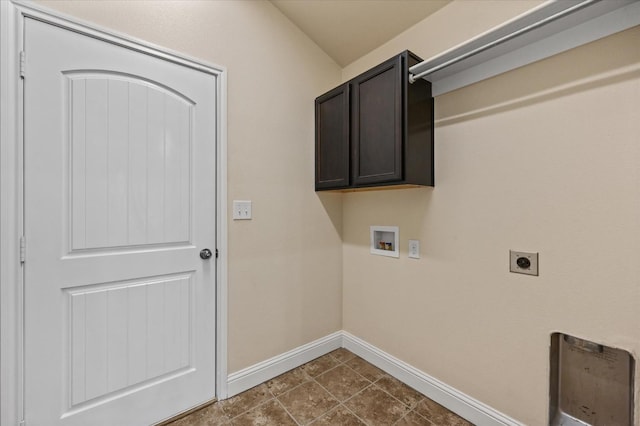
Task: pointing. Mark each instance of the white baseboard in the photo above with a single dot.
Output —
(454, 400)
(249, 377)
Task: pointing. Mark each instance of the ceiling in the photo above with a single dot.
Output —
(349, 29)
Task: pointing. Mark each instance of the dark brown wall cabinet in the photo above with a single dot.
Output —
(376, 130)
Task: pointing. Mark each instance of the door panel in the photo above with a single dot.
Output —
(377, 124)
(332, 138)
(119, 200)
(138, 136)
(123, 334)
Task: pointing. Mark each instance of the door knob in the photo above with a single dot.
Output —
(205, 254)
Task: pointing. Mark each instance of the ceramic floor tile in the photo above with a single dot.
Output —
(439, 415)
(338, 416)
(399, 390)
(342, 355)
(342, 382)
(365, 369)
(287, 381)
(307, 402)
(237, 405)
(376, 407)
(267, 414)
(320, 365)
(413, 419)
(302, 398)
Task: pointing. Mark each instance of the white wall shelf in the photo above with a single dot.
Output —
(552, 28)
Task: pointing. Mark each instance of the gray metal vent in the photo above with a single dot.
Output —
(590, 384)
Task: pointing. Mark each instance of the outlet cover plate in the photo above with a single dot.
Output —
(414, 249)
(531, 262)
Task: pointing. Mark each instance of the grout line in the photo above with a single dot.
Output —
(326, 371)
(287, 411)
(341, 361)
(358, 393)
(293, 388)
(269, 389)
(422, 396)
(422, 417)
(406, 405)
(328, 391)
(413, 410)
(310, 379)
(362, 375)
(250, 409)
(400, 419)
(356, 416)
(351, 396)
(373, 384)
(322, 387)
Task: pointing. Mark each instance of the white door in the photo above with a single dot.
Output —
(119, 202)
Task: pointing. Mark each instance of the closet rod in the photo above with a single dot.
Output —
(416, 72)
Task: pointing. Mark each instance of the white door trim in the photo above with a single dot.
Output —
(12, 15)
(10, 219)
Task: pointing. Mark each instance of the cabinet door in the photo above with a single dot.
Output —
(332, 139)
(377, 124)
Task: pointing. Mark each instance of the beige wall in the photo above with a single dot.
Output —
(285, 265)
(544, 158)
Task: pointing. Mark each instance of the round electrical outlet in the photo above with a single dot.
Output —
(523, 262)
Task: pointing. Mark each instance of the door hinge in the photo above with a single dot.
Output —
(23, 249)
(22, 63)
(216, 253)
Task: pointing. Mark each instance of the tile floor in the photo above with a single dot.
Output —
(339, 388)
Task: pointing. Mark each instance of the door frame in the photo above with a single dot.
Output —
(12, 16)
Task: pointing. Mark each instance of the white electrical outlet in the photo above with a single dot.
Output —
(241, 209)
(414, 249)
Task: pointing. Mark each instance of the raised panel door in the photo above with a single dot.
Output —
(332, 139)
(377, 124)
(119, 200)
